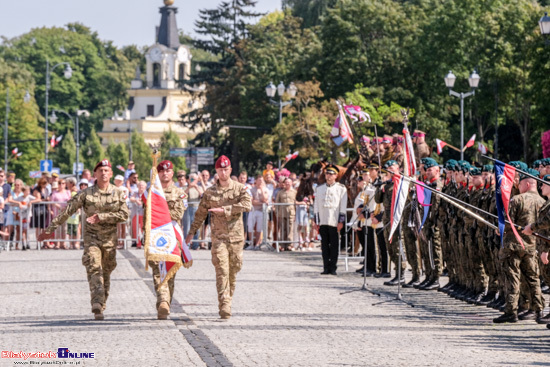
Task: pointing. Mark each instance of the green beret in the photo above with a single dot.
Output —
(464, 166)
(519, 165)
(537, 163)
(475, 171)
(531, 171)
(545, 162)
(429, 162)
(390, 163)
(546, 178)
(488, 168)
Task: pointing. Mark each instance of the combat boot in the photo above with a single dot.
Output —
(476, 298)
(391, 282)
(414, 281)
(485, 300)
(544, 319)
(225, 311)
(97, 310)
(163, 311)
(446, 287)
(432, 285)
(507, 317)
(423, 283)
(530, 315)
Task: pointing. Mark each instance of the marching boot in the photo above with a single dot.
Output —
(414, 281)
(97, 310)
(163, 311)
(423, 283)
(446, 287)
(530, 315)
(432, 285)
(507, 317)
(391, 282)
(544, 319)
(484, 301)
(475, 300)
(225, 311)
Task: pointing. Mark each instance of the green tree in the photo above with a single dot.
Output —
(168, 141)
(92, 150)
(141, 155)
(64, 154)
(118, 155)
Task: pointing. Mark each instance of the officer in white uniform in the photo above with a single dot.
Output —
(330, 215)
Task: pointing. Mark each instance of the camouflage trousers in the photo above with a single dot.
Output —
(479, 278)
(227, 258)
(165, 292)
(413, 258)
(393, 249)
(100, 261)
(431, 252)
(520, 263)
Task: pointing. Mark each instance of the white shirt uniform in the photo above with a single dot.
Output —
(330, 204)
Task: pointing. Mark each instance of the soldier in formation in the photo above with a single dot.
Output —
(104, 207)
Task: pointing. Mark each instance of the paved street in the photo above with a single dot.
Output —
(284, 314)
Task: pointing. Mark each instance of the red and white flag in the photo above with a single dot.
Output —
(52, 141)
(471, 142)
(14, 151)
(481, 148)
(58, 139)
(163, 236)
(341, 131)
(120, 168)
(398, 200)
(439, 144)
(289, 157)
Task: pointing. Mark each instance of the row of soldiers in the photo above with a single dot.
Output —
(483, 269)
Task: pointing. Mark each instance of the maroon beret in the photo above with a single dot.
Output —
(223, 162)
(103, 163)
(164, 165)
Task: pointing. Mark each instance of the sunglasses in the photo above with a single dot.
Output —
(181, 176)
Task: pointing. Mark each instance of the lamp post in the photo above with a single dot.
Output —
(26, 99)
(67, 73)
(473, 80)
(76, 124)
(270, 90)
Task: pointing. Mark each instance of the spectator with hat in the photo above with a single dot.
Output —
(330, 216)
(131, 168)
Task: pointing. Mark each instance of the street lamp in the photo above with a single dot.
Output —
(85, 113)
(473, 80)
(26, 99)
(67, 73)
(270, 91)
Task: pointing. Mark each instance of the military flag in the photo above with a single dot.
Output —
(355, 113)
(341, 131)
(399, 197)
(471, 142)
(505, 179)
(481, 148)
(440, 144)
(424, 198)
(163, 236)
(409, 162)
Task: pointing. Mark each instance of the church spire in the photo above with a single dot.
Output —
(168, 30)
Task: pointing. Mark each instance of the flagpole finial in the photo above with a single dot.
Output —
(156, 153)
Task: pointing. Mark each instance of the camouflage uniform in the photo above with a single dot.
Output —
(410, 238)
(542, 226)
(100, 239)
(475, 247)
(520, 261)
(286, 214)
(433, 235)
(175, 197)
(421, 150)
(227, 234)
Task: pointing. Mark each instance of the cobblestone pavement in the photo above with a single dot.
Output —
(284, 314)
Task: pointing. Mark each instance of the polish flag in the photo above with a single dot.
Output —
(481, 148)
(471, 142)
(164, 241)
(52, 141)
(58, 139)
(14, 152)
(19, 154)
(121, 168)
(440, 144)
(292, 156)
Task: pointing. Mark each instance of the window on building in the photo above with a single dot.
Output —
(156, 75)
(181, 72)
(150, 110)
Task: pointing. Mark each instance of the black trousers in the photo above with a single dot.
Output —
(329, 247)
(382, 249)
(368, 233)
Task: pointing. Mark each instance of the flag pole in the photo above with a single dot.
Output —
(454, 201)
(520, 171)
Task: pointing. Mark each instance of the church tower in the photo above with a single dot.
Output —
(156, 102)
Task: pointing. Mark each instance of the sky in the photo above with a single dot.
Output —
(123, 22)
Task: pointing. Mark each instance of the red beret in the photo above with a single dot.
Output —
(103, 163)
(223, 162)
(164, 165)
